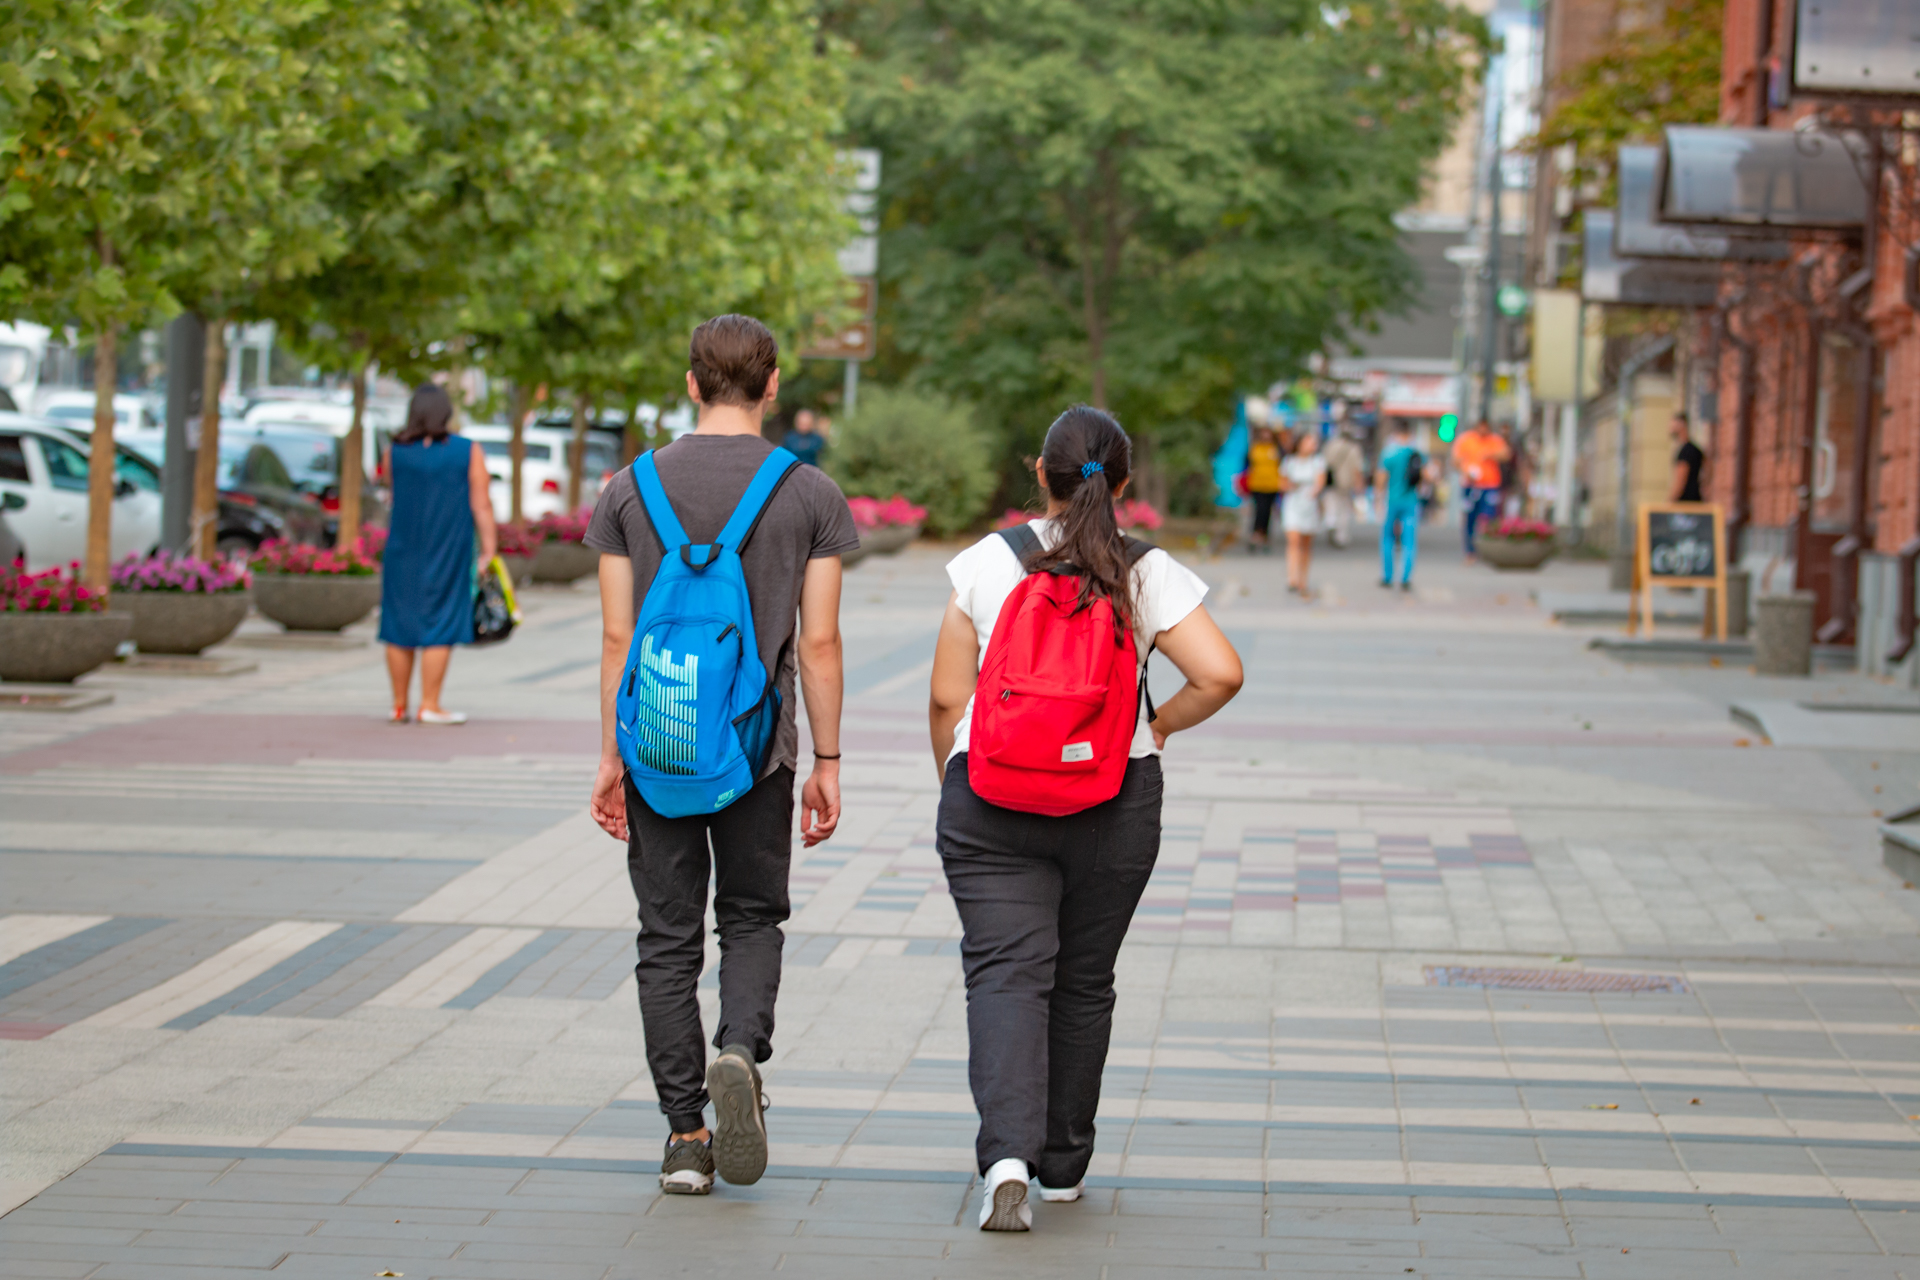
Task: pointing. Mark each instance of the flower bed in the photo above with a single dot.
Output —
(180, 604)
(53, 591)
(559, 528)
(884, 525)
(1518, 527)
(361, 560)
(53, 628)
(562, 554)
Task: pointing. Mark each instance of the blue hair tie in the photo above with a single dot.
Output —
(1088, 468)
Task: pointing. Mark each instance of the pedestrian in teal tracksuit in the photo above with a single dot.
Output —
(1397, 493)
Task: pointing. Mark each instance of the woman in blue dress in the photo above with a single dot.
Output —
(441, 510)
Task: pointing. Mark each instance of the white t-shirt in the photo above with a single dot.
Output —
(986, 573)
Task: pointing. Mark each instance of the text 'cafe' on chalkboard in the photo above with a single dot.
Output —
(1680, 544)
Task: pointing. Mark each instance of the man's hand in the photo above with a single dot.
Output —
(609, 802)
(819, 803)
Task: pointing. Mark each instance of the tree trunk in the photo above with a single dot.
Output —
(517, 453)
(350, 471)
(204, 531)
(577, 454)
(630, 442)
(101, 475)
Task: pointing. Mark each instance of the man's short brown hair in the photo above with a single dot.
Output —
(732, 358)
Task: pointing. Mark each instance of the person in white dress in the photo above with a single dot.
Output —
(1306, 474)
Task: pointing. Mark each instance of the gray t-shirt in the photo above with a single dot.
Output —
(704, 476)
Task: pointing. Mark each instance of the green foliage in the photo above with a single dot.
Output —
(1656, 75)
(729, 203)
(923, 447)
(1146, 203)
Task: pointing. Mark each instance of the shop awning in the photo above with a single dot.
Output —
(1637, 233)
(1743, 180)
(1641, 282)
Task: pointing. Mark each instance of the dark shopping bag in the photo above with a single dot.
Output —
(494, 612)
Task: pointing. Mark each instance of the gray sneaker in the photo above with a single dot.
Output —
(739, 1128)
(688, 1168)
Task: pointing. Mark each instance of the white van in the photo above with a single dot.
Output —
(543, 472)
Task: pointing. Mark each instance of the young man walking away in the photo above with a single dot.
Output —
(789, 559)
(1397, 494)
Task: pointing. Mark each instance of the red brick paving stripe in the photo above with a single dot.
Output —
(28, 1030)
(191, 738)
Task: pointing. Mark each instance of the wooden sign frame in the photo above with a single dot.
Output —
(1640, 604)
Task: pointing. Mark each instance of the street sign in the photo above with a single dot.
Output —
(1512, 300)
(854, 341)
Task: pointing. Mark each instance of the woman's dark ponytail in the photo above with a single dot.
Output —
(1087, 457)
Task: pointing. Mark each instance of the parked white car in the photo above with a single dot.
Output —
(74, 411)
(543, 473)
(378, 424)
(43, 494)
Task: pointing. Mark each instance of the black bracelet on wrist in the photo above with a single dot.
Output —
(818, 756)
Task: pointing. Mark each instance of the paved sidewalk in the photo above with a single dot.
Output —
(1470, 953)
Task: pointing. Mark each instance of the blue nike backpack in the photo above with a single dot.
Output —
(696, 708)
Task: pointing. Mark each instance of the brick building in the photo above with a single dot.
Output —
(1817, 363)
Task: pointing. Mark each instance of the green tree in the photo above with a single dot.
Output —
(740, 209)
(283, 119)
(1145, 203)
(1667, 72)
(91, 114)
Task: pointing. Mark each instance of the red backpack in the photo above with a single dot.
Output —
(1059, 694)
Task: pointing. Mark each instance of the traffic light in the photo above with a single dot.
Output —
(1449, 426)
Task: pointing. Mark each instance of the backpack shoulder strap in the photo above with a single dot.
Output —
(1025, 543)
(666, 525)
(753, 503)
(1136, 549)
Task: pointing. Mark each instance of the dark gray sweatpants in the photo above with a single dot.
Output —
(1044, 904)
(746, 849)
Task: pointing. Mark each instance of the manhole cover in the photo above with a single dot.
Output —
(1551, 979)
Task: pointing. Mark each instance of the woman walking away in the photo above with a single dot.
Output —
(441, 508)
(1306, 474)
(1049, 820)
(1264, 484)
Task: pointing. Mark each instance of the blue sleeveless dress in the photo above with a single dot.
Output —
(426, 585)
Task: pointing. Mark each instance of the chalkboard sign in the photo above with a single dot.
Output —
(1680, 544)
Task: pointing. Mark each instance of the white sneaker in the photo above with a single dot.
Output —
(443, 717)
(1062, 1195)
(1003, 1204)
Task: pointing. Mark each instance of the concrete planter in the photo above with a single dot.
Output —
(1783, 634)
(888, 538)
(316, 601)
(848, 559)
(1511, 554)
(57, 648)
(181, 621)
(563, 562)
(520, 568)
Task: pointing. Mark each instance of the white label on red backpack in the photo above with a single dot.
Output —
(1075, 752)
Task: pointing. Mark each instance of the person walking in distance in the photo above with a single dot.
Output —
(1347, 473)
(442, 521)
(1306, 476)
(1479, 455)
(1396, 492)
(1689, 463)
(1264, 485)
(1049, 818)
(719, 506)
(805, 440)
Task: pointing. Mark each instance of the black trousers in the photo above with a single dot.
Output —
(1044, 904)
(746, 848)
(1262, 522)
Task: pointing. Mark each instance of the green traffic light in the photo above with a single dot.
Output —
(1449, 425)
